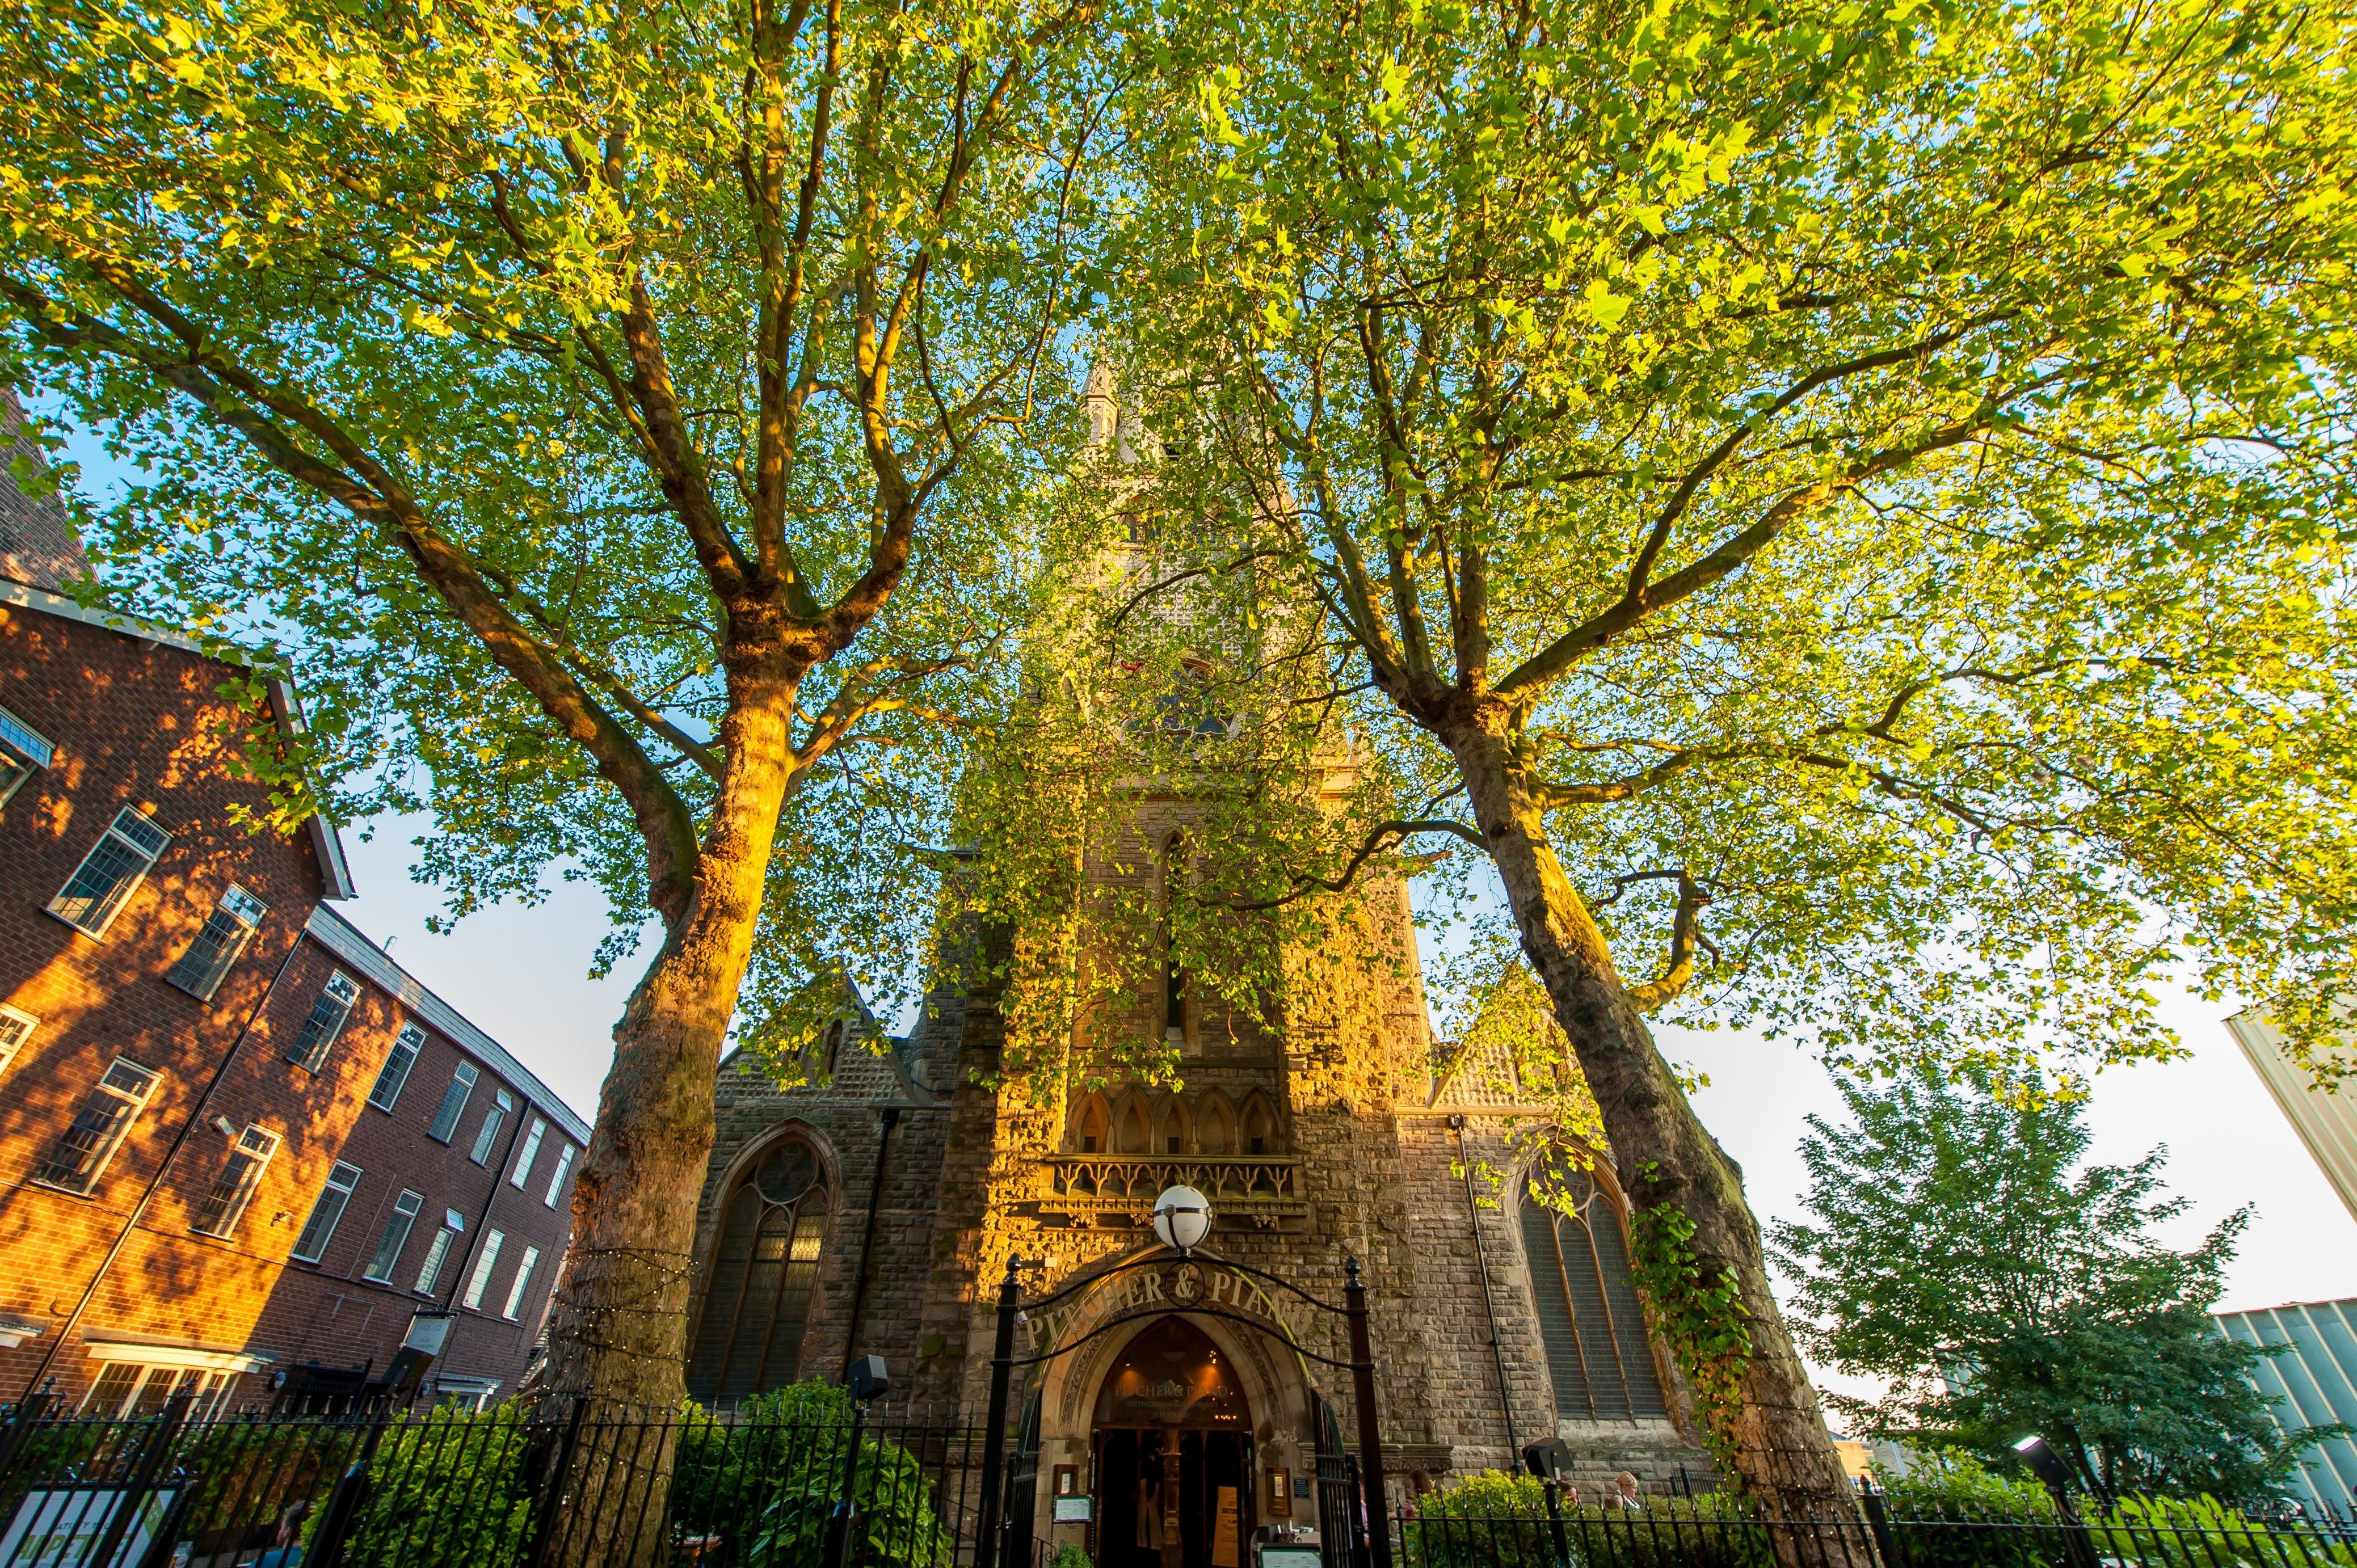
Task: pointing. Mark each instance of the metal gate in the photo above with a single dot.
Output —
(1341, 1514)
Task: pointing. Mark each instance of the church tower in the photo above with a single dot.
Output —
(875, 1209)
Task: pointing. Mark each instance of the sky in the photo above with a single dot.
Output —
(519, 973)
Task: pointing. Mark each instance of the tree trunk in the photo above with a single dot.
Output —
(1775, 1434)
(619, 1332)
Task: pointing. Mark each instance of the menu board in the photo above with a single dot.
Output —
(1224, 1534)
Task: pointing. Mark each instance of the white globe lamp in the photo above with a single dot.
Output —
(1182, 1218)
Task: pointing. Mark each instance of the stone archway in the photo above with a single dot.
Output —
(1099, 1324)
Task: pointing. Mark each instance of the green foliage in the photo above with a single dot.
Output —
(1883, 466)
(2202, 1533)
(1952, 1482)
(897, 1524)
(1496, 1519)
(1070, 1556)
(448, 1488)
(545, 387)
(1700, 1318)
(1959, 1249)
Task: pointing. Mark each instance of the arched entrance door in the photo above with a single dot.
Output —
(1171, 1459)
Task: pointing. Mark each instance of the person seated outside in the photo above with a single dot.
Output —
(286, 1547)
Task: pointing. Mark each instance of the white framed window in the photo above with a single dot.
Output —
(395, 1070)
(110, 872)
(16, 1026)
(394, 1238)
(454, 1103)
(481, 1280)
(563, 1169)
(502, 1102)
(224, 1206)
(327, 1213)
(528, 1152)
(454, 1226)
(312, 1042)
(22, 749)
(522, 1282)
(219, 944)
(79, 1156)
(130, 1390)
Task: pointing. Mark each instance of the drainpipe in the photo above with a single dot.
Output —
(1489, 1300)
(891, 1114)
(139, 1210)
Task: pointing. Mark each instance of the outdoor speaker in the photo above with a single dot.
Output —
(869, 1379)
(1548, 1458)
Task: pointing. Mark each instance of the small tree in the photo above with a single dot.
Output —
(1961, 1252)
(1845, 495)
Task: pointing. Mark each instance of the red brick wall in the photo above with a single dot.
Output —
(145, 726)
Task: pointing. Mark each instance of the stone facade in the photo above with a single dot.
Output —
(1365, 1137)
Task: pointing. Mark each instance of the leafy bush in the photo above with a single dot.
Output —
(1070, 1556)
(2202, 1533)
(450, 1488)
(1953, 1484)
(1496, 1520)
(896, 1520)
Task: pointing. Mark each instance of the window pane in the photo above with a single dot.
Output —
(525, 1156)
(25, 741)
(96, 891)
(328, 1212)
(114, 1383)
(454, 1103)
(226, 932)
(82, 1152)
(493, 1120)
(15, 1028)
(396, 1071)
(748, 1331)
(234, 1188)
(394, 1237)
(1598, 1358)
(319, 1030)
(481, 1278)
(557, 1182)
(522, 1282)
(435, 1257)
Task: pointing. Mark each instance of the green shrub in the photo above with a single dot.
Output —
(1070, 1556)
(449, 1489)
(897, 1523)
(2202, 1533)
(1951, 1484)
(1496, 1520)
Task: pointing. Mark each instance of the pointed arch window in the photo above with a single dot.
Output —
(1130, 1135)
(1596, 1352)
(1096, 1128)
(1258, 1128)
(1214, 1127)
(1170, 1128)
(757, 1302)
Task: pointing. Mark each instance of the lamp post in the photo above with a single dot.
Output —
(867, 1381)
(1182, 1218)
(2048, 1467)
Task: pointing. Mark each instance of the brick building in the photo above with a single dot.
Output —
(239, 1148)
(872, 1206)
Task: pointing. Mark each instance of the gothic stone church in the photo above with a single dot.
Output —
(874, 1211)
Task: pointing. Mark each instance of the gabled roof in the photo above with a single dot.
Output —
(347, 943)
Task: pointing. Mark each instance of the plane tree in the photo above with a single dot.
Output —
(622, 416)
(1842, 504)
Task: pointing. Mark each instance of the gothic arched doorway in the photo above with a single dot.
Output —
(1171, 1456)
(757, 1297)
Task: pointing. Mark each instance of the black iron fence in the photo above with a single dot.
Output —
(1719, 1531)
(572, 1481)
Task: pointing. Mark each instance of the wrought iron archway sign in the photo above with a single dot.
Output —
(1171, 1288)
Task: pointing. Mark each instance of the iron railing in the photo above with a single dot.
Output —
(567, 1481)
(1719, 1531)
